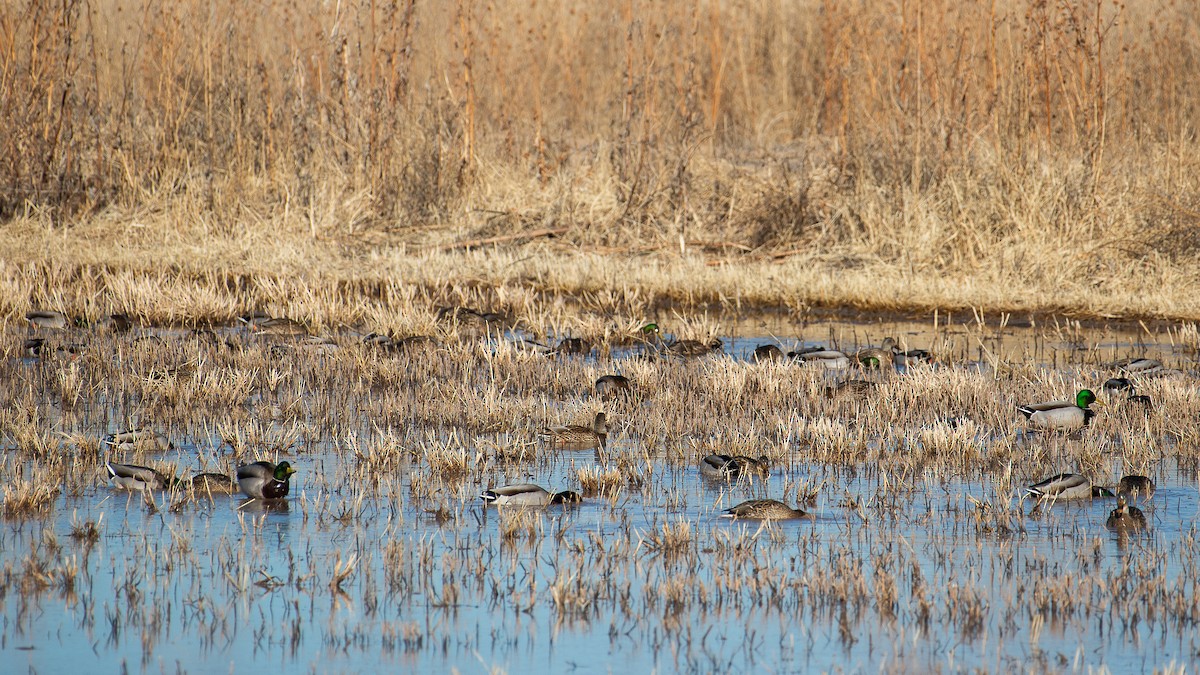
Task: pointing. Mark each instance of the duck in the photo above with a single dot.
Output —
(1067, 486)
(1062, 415)
(732, 467)
(857, 389)
(1138, 365)
(280, 325)
(46, 318)
(1125, 518)
(265, 480)
(214, 483)
(138, 440)
(825, 358)
(571, 347)
(691, 348)
(609, 387)
(764, 353)
(763, 509)
(527, 494)
(134, 477)
(1134, 486)
(578, 437)
(913, 357)
(1117, 388)
(877, 357)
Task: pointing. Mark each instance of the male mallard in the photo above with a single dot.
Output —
(609, 387)
(877, 357)
(134, 477)
(732, 467)
(45, 318)
(265, 480)
(1067, 486)
(1064, 415)
(1125, 517)
(763, 509)
(214, 483)
(1138, 365)
(913, 357)
(527, 494)
(578, 437)
(825, 358)
(763, 353)
(1134, 486)
(138, 440)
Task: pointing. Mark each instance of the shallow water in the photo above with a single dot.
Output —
(900, 567)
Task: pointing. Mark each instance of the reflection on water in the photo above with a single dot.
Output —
(920, 555)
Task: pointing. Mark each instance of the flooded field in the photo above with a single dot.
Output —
(917, 552)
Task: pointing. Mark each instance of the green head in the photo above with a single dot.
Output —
(284, 471)
(650, 329)
(1084, 398)
(870, 361)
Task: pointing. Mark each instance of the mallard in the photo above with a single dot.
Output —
(265, 480)
(280, 325)
(1067, 486)
(1134, 486)
(34, 346)
(851, 388)
(1125, 517)
(527, 494)
(116, 323)
(913, 357)
(763, 509)
(1117, 386)
(609, 387)
(877, 357)
(1138, 365)
(763, 353)
(134, 477)
(45, 318)
(825, 358)
(572, 347)
(689, 348)
(1065, 415)
(578, 437)
(138, 440)
(732, 467)
(214, 483)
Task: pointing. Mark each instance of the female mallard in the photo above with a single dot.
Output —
(134, 477)
(214, 483)
(732, 467)
(690, 348)
(1067, 486)
(265, 480)
(527, 494)
(609, 387)
(763, 509)
(1064, 415)
(857, 389)
(1134, 486)
(578, 437)
(877, 357)
(763, 353)
(572, 347)
(825, 358)
(138, 440)
(1125, 518)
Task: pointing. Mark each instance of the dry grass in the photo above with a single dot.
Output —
(1020, 156)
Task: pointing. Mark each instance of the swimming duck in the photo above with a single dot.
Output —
(609, 387)
(1064, 415)
(1067, 486)
(1125, 518)
(689, 348)
(527, 494)
(1134, 486)
(825, 358)
(763, 353)
(851, 389)
(45, 318)
(578, 437)
(214, 483)
(265, 480)
(763, 509)
(1138, 366)
(138, 440)
(277, 326)
(732, 467)
(913, 357)
(877, 357)
(134, 477)
(572, 347)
